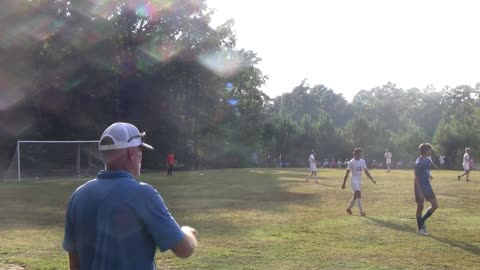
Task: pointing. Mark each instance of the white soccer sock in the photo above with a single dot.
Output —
(352, 203)
(359, 203)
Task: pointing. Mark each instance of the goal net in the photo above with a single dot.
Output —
(54, 159)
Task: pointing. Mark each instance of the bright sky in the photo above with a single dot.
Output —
(350, 45)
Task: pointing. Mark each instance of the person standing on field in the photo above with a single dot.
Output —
(422, 187)
(114, 222)
(441, 159)
(170, 163)
(356, 165)
(313, 167)
(388, 159)
(466, 165)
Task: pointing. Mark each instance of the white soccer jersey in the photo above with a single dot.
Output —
(356, 167)
(388, 157)
(466, 159)
(313, 165)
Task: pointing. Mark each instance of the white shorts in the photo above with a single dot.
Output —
(466, 167)
(389, 161)
(313, 168)
(356, 185)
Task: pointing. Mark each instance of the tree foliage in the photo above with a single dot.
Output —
(68, 69)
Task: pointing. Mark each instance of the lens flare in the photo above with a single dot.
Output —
(233, 102)
(145, 8)
(220, 64)
(161, 52)
(229, 86)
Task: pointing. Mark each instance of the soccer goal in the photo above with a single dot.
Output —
(53, 160)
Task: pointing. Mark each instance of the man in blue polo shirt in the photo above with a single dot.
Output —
(115, 222)
(422, 187)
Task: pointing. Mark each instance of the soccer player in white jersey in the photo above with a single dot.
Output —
(388, 159)
(433, 164)
(356, 165)
(313, 167)
(466, 165)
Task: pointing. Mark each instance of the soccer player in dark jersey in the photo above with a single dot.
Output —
(422, 187)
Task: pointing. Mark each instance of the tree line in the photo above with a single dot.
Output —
(68, 69)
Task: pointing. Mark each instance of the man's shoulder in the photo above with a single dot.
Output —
(85, 186)
(138, 193)
(141, 188)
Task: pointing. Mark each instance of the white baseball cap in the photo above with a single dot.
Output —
(122, 135)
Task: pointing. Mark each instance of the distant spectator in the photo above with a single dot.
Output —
(441, 160)
(400, 164)
(170, 163)
(325, 163)
(333, 163)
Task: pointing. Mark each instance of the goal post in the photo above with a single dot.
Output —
(54, 159)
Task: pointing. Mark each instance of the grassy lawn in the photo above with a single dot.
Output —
(269, 219)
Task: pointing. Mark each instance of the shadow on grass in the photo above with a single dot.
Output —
(458, 244)
(455, 196)
(392, 225)
(406, 228)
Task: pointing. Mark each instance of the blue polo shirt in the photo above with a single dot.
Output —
(114, 222)
(422, 170)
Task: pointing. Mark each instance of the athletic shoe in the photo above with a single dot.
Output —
(349, 211)
(316, 182)
(424, 228)
(422, 232)
(468, 180)
(363, 214)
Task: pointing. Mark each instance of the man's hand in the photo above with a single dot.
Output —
(186, 247)
(188, 229)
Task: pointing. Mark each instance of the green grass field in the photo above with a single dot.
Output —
(269, 219)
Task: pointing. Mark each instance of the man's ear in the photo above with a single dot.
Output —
(130, 153)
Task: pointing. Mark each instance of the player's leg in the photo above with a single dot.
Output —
(434, 206)
(308, 177)
(467, 174)
(358, 195)
(351, 204)
(419, 199)
(315, 173)
(432, 209)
